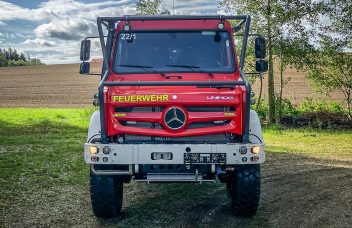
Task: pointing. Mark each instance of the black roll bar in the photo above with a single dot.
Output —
(110, 23)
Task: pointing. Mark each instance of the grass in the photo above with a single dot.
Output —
(40, 148)
(311, 142)
(41, 155)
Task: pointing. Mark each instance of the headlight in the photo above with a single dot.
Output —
(255, 150)
(93, 150)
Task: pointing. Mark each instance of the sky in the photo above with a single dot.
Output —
(52, 30)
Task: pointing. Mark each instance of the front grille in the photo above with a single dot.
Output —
(189, 109)
(208, 138)
(213, 138)
(141, 124)
(208, 124)
(140, 109)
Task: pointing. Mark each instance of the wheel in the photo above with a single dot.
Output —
(106, 194)
(243, 188)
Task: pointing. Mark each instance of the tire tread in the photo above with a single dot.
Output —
(244, 190)
(106, 195)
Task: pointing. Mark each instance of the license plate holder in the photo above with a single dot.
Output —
(205, 158)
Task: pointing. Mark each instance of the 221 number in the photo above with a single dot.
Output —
(128, 36)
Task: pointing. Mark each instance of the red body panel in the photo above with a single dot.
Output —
(178, 96)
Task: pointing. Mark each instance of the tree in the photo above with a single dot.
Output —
(3, 61)
(331, 70)
(22, 57)
(276, 20)
(340, 17)
(328, 62)
(15, 56)
(150, 7)
(11, 57)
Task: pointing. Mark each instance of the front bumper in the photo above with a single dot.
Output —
(141, 154)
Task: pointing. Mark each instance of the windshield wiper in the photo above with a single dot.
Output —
(183, 66)
(137, 66)
(146, 68)
(191, 67)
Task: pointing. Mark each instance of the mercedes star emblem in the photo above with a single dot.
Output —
(175, 118)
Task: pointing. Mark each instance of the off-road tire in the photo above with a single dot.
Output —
(106, 194)
(243, 189)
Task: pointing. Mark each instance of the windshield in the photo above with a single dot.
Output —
(165, 51)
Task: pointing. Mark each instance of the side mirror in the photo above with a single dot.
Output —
(260, 48)
(84, 68)
(261, 65)
(85, 50)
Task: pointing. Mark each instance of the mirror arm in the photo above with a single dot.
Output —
(244, 43)
(102, 40)
(237, 27)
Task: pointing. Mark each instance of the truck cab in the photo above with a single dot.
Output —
(174, 107)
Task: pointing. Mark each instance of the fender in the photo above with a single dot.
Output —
(94, 127)
(255, 129)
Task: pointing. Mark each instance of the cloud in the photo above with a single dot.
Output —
(67, 29)
(58, 9)
(57, 26)
(40, 42)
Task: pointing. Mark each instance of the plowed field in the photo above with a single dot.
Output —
(57, 86)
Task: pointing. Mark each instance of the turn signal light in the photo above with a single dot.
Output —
(254, 158)
(255, 150)
(93, 150)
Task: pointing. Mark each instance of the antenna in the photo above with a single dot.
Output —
(173, 6)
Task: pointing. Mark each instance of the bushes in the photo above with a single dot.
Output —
(11, 58)
(31, 62)
(319, 119)
(310, 113)
(287, 108)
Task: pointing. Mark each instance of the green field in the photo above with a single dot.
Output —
(44, 180)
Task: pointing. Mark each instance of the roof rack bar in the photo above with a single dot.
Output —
(174, 83)
(173, 17)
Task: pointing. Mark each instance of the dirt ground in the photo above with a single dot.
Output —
(51, 86)
(301, 192)
(297, 191)
(57, 86)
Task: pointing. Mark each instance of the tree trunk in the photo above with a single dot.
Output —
(281, 81)
(349, 104)
(271, 90)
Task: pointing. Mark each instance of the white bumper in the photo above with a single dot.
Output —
(141, 154)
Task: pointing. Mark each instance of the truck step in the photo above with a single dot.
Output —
(173, 178)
